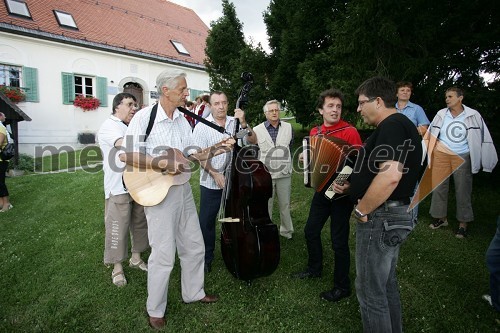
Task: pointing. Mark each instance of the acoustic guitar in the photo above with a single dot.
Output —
(149, 187)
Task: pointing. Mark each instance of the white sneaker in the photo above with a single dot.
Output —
(487, 298)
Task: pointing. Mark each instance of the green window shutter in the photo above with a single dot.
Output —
(102, 90)
(30, 77)
(68, 88)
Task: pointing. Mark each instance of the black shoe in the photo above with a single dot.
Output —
(208, 267)
(305, 275)
(335, 295)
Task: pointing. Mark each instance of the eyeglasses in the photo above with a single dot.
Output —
(130, 105)
(273, 111)
(361, 103)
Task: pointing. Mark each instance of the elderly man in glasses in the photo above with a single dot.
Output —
(275, 139)
(122, 215)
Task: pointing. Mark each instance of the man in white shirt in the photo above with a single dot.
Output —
(173, 224)
(121, 213)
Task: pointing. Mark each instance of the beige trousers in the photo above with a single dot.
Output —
(173, 224)
(122, 216)
(281, 189)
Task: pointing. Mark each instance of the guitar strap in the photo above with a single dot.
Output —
(185, 111)
(152, 118)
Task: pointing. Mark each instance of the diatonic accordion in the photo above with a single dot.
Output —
(325, 162)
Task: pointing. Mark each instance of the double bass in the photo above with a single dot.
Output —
(249, 240)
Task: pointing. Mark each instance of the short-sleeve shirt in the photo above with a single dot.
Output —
(415, 113)
(111, 131)
(3, 130)
(394, 139)
(166, 133)
(205, 136)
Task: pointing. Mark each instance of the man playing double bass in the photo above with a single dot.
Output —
(212, 178)
(172, 223)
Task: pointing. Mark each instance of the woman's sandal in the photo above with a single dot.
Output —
(140, 264)
(119, 279)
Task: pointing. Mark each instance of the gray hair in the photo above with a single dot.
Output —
(273, 101)
(168, 78)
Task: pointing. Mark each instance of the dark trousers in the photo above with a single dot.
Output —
(3, 188)
(339, 212)
(209, 208)
(493, 263)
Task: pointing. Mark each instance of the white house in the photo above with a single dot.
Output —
(57, 49)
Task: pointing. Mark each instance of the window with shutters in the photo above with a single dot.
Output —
(89, 86)
(25, 78)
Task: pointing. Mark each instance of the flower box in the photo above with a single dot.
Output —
(87, 103)
(15, 94)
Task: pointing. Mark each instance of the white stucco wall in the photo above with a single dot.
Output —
(56, 124)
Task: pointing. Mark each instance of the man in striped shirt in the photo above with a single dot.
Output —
(212, 178)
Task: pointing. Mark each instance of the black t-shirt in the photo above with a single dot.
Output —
(395, 139)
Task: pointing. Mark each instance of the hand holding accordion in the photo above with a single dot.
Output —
(324, 163)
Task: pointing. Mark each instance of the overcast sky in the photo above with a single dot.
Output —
(249, 12)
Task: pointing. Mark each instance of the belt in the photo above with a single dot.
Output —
(396, 203)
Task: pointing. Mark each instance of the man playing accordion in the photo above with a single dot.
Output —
(330, 107)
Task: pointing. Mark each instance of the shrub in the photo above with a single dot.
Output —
(26, 163)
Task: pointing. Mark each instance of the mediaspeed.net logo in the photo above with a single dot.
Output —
(441, 164)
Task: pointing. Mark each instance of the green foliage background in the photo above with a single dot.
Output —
(315, 46)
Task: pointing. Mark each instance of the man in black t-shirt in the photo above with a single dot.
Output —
(382, 183)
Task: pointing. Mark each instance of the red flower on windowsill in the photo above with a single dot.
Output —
(15, 94)
(87, 103)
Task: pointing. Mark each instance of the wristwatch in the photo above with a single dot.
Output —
(358, 214)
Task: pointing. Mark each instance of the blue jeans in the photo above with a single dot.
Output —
(493, 263)
(339, 211)
(209, 208)
(377, 250)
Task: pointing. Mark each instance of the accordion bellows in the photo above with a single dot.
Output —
(324, 157)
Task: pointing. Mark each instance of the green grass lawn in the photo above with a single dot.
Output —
(52, 277)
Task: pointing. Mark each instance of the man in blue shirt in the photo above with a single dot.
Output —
(413, 111)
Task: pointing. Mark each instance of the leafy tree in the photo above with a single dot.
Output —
(296, 30)
(223, 46)
(434, 44)
(228, 56)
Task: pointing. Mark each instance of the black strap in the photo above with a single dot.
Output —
(185, 111)
(202, 120)
(152, 118)
(333, 131)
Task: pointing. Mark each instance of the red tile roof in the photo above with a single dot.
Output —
(143, 28)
